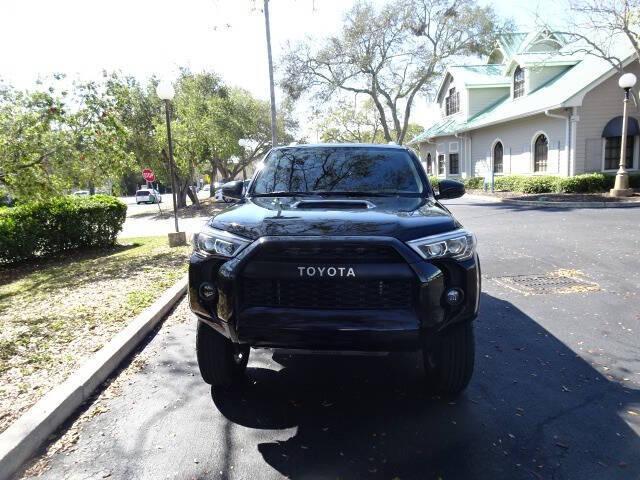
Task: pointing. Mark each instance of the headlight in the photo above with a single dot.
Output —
(218, 242)
(459, 245)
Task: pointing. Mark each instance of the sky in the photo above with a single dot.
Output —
(145, 37)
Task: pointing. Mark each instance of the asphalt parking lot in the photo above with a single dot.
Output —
(555, 395)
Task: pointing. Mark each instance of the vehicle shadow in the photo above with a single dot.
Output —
(534, 409)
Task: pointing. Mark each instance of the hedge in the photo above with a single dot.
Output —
(43, 228)
(585, 183)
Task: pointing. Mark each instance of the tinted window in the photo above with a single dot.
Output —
(142, 192)
(339, 169)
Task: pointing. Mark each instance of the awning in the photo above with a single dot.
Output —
(614, 127)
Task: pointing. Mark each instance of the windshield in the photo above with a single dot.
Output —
(346, 170)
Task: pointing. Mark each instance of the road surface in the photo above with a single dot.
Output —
(555, 395)
(146, 220)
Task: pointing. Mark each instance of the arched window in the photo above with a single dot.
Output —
(540, 153)
(518, 82)
(429, 165)
(497, 157)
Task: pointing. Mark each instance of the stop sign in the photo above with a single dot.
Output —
(148, 175)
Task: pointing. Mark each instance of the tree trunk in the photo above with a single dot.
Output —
(191, 192)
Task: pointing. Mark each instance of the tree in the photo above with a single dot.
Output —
(52, 139)
(598, 27)
(344, 123)
(249, 126)
(390, 54)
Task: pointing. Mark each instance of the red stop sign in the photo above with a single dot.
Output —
(148, 175)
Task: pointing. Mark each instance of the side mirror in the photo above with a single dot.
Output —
(449, 189)
(233, 189)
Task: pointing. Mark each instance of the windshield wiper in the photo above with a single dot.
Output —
(283, 193)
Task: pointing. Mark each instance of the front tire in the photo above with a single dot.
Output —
(221, 363)
(450, 358)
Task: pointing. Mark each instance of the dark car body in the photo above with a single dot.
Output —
(334, 273)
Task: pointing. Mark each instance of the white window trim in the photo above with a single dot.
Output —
(447, 168)
(532, 153)
(526, 82)
(491, 159)
(636, 154)
(437, 165)
(453, 147)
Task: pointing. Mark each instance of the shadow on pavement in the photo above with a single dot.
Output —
(207, 209)
(533, 410)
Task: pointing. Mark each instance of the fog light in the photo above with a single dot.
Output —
(454, 296)
(208, 291)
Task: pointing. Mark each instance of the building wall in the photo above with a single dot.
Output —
(445, 146)
(538, 76)
(599, 106)
(481, 98)
(517, 139)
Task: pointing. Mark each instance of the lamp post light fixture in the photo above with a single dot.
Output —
(166, 93)
(621, 187)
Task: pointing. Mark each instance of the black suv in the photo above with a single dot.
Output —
(337, 248)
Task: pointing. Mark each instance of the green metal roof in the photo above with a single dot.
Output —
(558, 92)
(478, 75)
(510, 43)
(444, 127)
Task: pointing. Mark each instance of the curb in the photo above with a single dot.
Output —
(26, 435)
(550, 204)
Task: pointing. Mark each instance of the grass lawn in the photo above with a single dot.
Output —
(55, 313)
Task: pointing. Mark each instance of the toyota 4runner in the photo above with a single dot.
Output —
(341, 248)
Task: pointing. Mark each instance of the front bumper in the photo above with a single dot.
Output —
(352, 329)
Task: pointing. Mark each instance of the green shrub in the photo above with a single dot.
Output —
(473, 183)
(434, 181)
(539, 184)
(634, 180)
(509, 183)
(587, 183)
(65, 223)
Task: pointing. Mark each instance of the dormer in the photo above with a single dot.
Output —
(451, 97)
(544, 41)
(469, 89)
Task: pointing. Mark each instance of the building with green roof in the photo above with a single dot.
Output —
(538, 106)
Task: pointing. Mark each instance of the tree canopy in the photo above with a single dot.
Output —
(54, 139)
(391, 54)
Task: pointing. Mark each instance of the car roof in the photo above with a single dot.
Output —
(344, 145)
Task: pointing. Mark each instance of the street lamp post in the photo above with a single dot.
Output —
(621, 187)
(166, 93)
(274, 136)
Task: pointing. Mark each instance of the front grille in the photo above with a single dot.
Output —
(343, 252)
(327, 294)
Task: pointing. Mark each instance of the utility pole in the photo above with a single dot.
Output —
(274, 137)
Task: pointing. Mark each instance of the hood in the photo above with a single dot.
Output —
(399, 217)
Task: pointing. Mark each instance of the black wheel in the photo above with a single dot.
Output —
(226, 200)
(449, 359)
(221, 362)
